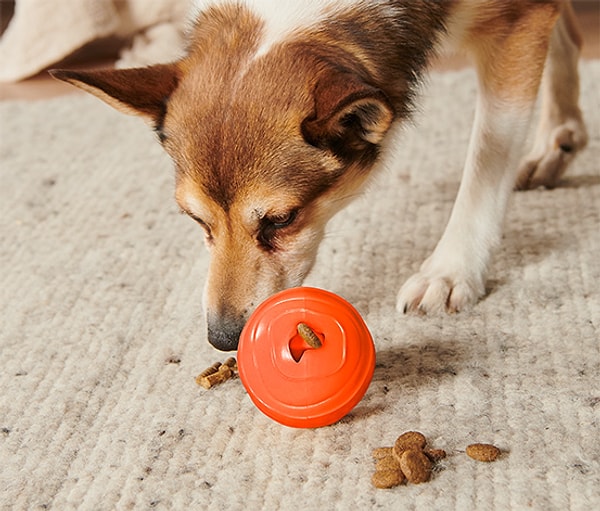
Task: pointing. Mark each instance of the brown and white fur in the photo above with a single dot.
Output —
(279, 112)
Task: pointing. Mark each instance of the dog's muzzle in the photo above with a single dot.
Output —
(224, 334)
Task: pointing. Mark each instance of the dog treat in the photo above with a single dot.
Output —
(232, 363)
(415, 466)
(385, 479)
(435, 455)
(309, 335)
(381, 452)
(408, 460)
(223, 374)
(387, 463)
(209, 370)
(409, 440)
(217, 373)
(483, 452)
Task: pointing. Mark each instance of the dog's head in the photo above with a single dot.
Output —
(267, 148)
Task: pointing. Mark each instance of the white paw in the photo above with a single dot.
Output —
(429, 292)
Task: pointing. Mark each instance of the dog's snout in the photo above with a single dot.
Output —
(224, 335)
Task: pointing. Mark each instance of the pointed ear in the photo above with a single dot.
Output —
(138, 91)
(350, 116)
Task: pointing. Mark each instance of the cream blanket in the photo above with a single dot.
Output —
(43, 32)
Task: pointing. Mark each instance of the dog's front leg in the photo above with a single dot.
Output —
(509, 71)
(452, 277)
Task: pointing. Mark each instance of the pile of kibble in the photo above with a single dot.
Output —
(412, 460)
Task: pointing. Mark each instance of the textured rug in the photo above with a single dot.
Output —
(101, 332)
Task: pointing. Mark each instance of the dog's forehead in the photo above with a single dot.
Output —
(226, 164)
(229, 137)
(287, 175)
(249, 208)
(230, 145)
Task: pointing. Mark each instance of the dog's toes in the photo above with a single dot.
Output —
(526, 172)
(461, 297)
(436, 297)
(433, 295)
(545, 172)
(409, 297)
(547, 166)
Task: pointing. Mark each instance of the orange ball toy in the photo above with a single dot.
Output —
(293, 382)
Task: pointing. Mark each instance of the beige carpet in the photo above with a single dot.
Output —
(102, 333)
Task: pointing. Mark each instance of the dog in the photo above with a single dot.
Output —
(279, 111)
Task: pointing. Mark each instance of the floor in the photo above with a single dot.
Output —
(100, 54)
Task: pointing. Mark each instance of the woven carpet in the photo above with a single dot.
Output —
(101, 332)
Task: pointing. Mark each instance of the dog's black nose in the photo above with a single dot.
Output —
(224, 335)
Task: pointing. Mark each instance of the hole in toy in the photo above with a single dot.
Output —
(298, 346)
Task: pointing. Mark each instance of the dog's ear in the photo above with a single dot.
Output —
(349, 115)
(138, 91)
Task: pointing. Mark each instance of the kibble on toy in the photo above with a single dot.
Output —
(306, 357)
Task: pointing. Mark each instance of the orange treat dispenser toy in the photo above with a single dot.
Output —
(293, 382)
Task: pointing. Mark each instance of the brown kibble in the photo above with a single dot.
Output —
(209, 370)
(435, 455)
(387, 478)
(231, 362)
(381, 452)
(483, 452)
(409, 458)
(223, 374)
(204, 381)
(309, 335)
(409, 440)
(225, 369)
(217, 373)
(415, 466)
(387, 463)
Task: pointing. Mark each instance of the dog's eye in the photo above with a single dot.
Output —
(281, 221)
(270, 225)
(202, 224)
